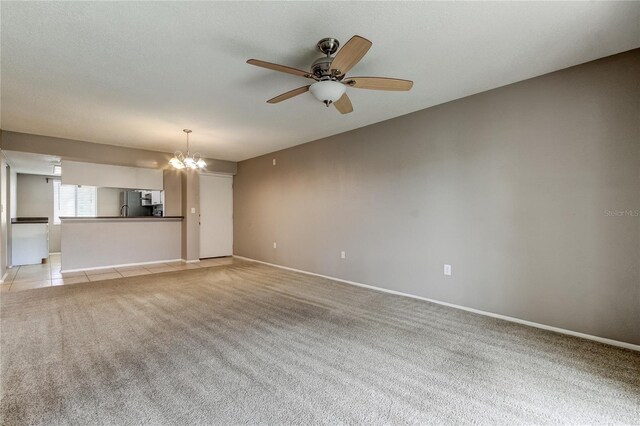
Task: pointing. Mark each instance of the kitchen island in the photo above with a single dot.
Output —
(108, 241)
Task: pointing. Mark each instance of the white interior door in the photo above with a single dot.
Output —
(216, 215)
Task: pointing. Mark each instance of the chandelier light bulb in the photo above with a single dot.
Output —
(189, 162)
(175, 162)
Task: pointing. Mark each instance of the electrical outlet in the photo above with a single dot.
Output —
(447, 270)
(274, 161)
(343, 255)
(275, 245)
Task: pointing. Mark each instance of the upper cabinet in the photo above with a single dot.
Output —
(156, 197)
(151, 198)
(105, 175)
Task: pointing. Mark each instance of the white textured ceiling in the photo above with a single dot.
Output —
(137, 73)
(33, 164)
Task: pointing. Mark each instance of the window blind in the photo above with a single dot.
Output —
(74, 201)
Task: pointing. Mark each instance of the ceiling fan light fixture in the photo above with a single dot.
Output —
(327, 91)
(329, 73)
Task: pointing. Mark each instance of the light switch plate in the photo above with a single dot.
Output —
(193, 209)
(447, 270)
(274, 161)
(275, 245)
(343, 255)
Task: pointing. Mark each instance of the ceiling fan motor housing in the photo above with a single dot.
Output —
(321, 67)
(328, 45)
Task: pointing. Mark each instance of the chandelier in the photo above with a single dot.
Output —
(188, 160)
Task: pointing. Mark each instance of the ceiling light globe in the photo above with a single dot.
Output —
(327, 91)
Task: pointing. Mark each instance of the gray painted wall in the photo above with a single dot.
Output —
(191, 224)
(75, 150)
(172, 192)
(510, 186)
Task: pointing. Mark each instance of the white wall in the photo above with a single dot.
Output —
(34, 197)
(95, 243)
(4, 229)
(107, 175)
(12, 199)
(108, 202)
(13, 193)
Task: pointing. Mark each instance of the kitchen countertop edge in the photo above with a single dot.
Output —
(121, 218)
(29, 220)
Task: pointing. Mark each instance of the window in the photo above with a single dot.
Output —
(73, 200)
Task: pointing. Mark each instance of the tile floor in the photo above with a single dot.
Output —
(48, 274)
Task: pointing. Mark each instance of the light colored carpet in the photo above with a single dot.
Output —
(251, 344)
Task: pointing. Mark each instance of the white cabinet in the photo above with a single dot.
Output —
(106, 175)
(151, 198)
(156, 197)
(29, 243)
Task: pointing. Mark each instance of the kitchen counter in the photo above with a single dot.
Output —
(109, 241)
(121, 218)
(19, 220)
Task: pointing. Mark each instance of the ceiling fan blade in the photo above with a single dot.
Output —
(289, 94)
(379, 83)
(344, 104)
(350, 54)
(281, 68)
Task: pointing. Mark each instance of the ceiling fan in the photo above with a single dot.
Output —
(329, 74)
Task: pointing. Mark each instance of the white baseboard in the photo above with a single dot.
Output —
(464, 308)
(3, 277)
(191, 261)
(122, 265)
